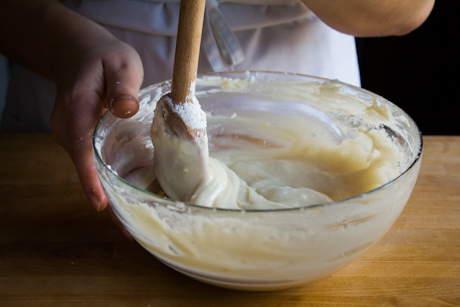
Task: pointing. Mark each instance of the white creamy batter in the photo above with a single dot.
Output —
(261, 160)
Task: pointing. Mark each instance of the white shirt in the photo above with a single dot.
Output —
(274, 35)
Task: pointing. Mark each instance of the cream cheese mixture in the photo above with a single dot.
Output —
(264, 160)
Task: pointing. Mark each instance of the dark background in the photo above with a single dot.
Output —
(419, 72)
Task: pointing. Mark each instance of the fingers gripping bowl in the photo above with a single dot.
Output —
(359, 150)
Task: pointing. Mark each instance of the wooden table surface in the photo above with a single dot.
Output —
(55, 250)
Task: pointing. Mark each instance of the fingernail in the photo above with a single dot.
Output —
(122, 97)
(95, 201)
(124, 106)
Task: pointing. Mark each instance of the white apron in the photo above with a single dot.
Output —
(275, 35)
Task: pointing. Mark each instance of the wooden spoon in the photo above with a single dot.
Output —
(179, 127)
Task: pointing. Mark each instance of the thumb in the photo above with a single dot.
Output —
(122, 88)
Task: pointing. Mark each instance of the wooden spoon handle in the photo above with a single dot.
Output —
(187, 50)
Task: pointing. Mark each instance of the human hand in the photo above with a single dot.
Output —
(91, 76)
(92, 70)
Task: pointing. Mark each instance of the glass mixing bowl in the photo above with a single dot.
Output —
(258, 249)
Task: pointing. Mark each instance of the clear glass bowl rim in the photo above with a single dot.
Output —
(338, 202)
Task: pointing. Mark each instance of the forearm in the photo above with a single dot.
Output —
(372, 18)
(37, 34)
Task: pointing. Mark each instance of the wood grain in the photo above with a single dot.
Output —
(187, 50)
(56, 251)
